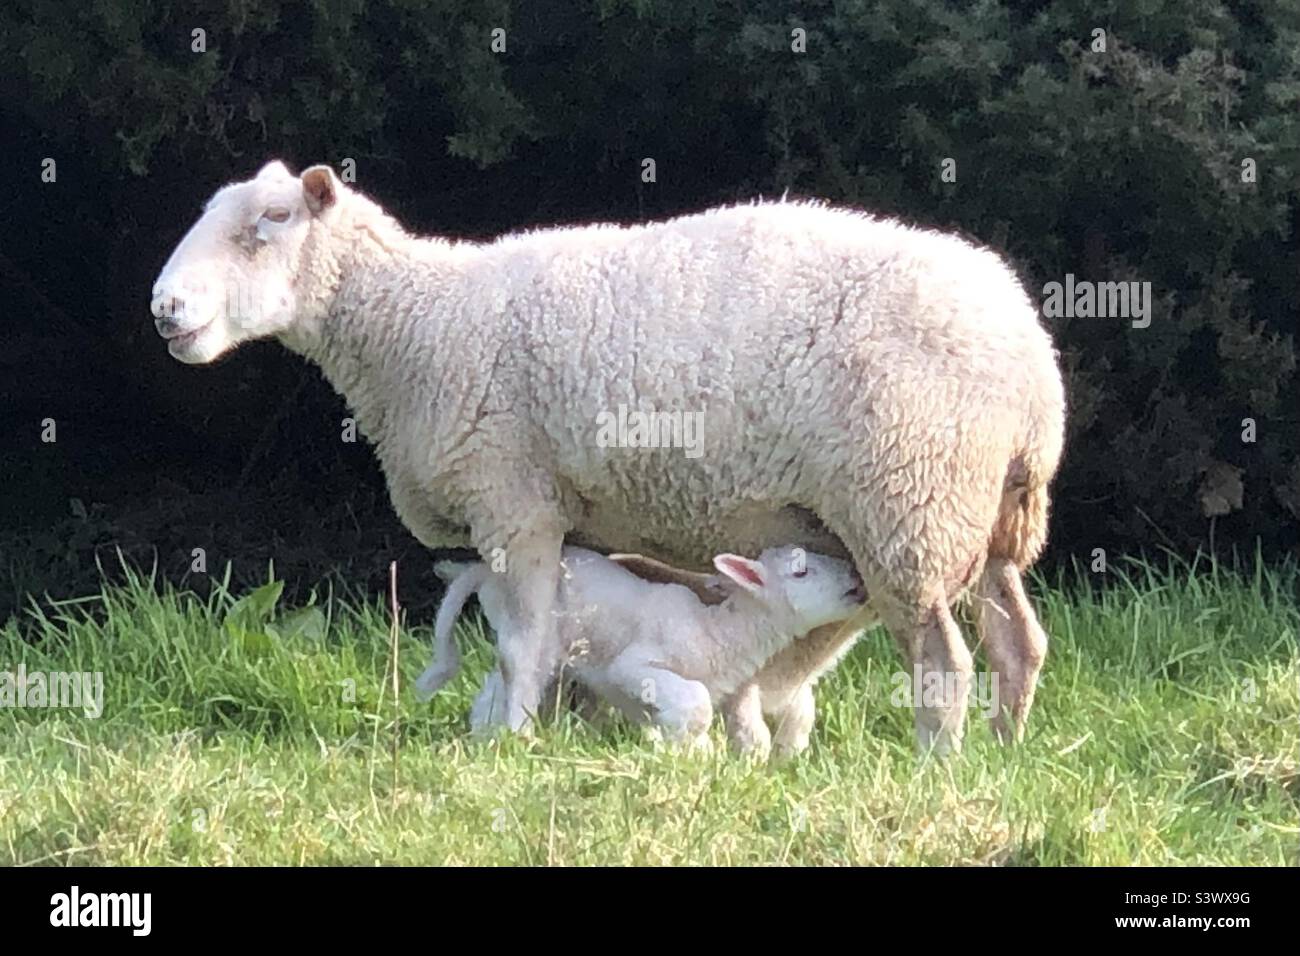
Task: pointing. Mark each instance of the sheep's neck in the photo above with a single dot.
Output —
(377, 309)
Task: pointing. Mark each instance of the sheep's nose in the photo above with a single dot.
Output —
(165, 308)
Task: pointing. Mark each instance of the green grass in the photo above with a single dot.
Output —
(1165, 732)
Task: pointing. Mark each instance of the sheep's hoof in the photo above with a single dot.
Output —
(939, 744)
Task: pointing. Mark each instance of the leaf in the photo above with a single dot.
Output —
(256, 607)
(251, 640)
(248, 619)
(305, 622)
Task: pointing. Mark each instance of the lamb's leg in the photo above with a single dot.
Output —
(935, 647)
(489, 707)
(587, 704)
(1015, 644)
(526, 637)
(794, 723)
(489, 710)
(678, 705)
(683, 709)
(746, 730)
(786, 681)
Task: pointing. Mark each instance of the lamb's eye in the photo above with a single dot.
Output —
(276, 214)
(801, 572)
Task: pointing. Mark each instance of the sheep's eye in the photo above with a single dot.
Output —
(801, 573)
(276, 214)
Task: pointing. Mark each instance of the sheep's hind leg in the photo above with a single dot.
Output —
(943, 664)
(1015, 644)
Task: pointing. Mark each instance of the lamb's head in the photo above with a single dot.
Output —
(799, 590)
(238, 273)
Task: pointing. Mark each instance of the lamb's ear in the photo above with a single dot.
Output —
(709, 588)
(750, 575)
(319, 188)
(275, 168)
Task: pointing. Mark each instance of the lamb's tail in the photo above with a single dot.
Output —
(465, 579)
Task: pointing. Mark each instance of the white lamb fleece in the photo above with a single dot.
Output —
(867, 389)
(655, 651)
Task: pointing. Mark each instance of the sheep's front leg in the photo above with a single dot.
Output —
(746, 730)
(526, 642)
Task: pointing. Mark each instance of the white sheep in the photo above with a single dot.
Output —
(866, 389)
(655, 650)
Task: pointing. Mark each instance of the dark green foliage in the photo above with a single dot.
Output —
(1115, 165)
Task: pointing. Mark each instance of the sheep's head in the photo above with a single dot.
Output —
(799, 590)
(235, 275)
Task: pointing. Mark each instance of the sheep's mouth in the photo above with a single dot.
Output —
(188, 347)
(184, 338)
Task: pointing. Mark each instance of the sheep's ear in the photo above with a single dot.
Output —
(319, 188)
(750, 575)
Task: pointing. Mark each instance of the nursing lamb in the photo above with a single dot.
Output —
(655, 650)
(868, 389)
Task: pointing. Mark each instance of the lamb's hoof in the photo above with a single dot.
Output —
(700, 744)
(752, 749)
(785, 753)
(428, 684)
(787, 746)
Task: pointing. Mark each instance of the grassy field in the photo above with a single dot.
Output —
(1166, 731)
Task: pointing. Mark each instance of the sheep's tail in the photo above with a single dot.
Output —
(1021, 527)
(1020, 531)
(465, 580)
